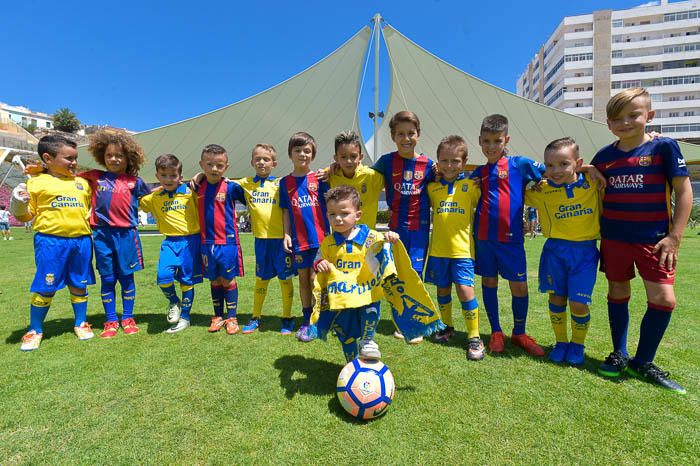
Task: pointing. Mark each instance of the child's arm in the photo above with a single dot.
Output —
(287, 241)
(684, 203)
(19, 203)
(595, 175)
(391, 237)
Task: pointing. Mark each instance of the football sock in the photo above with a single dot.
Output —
(445, 306)
(579, 327)
(168, 290)
(110, 307)
(491, 306)
(38, 309)
(349, 348)
(619, 318)
(79, 303)
(306, 312)
(231, 297)
(369, 318)
(287, 292)
(520, 304)
(128, 295)
(187, 300)
(470, 312)
(557, 315)
(259, 296)
(217, 299)
(651, 332)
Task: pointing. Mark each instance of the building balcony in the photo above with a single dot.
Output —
(578, 65)
(654, 27)
(681, 120)
(670, 89)
(578, 35)
(670, 73)
(580, 111)
(660, 42)
(677, 104)
(581, 95)
(575, 50)
(570, 81)
(658, 57)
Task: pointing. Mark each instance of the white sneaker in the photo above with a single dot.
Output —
(369, 349)
(11, 238)
(181, 325)
(398, 335)
(31, 341)
(415, 341)
(174, 313)
(84, 332)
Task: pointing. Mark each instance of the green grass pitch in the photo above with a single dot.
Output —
(195, 397)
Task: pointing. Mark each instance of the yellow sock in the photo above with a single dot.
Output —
(445, 307)
(579, 327)
(470, 312)
(287, 291)
(557, 315)
(259, 296)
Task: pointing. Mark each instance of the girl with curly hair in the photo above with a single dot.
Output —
(115, 197)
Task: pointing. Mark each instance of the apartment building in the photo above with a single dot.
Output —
(591, 57)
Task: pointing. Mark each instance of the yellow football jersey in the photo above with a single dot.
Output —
(369, 184)
(453, 207)
(263, 201)
(175, 211)
(570, 212)
(59, 206)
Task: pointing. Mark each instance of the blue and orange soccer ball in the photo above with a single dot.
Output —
(365, 388)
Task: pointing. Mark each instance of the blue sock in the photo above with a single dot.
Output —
(491, 306)
(619, 318)
(107, 291)
(217, 299)
(651, 332)
(520, 304)
(349, 348)
(187, 300)
(369, 318)
(79, 303)
(38, 310)
(231, 297)
(170, 293)
(306, 311)
(128, 295)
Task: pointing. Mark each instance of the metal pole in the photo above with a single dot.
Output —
(377, 27)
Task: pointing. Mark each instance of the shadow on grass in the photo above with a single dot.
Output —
(52, 328)
(300, 375)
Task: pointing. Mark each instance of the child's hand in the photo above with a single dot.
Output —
(19, 201)
(537, 187)
(34, 169)
(391, 237)
(323, 266)
(595, 176)
(196, 181)
(322, 174)
(669, 251)
(333, 168)
(655, 135)
(20, 193)
(287, 244)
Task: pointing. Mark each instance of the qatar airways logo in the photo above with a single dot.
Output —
(406, 189)
(626, 181)
(306, 200)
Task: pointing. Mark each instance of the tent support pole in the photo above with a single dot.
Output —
(377, 27)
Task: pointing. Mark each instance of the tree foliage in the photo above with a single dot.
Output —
(65, 120)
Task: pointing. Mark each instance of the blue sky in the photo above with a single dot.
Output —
(141, 64)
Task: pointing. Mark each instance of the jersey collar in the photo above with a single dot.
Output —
(461, 176)
(575, 184)
(182, 189)
(261, 180)
(359, 236)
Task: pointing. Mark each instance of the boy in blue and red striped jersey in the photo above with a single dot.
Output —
(638, 228)
(302, 196)
(406, 176)
(222, 259)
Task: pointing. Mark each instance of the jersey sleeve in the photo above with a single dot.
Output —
(534, 198)
(376, 181)
(141, 188)
(236, 190)
(380, 165)
(430, 171)
(530, 169)
(283, 195)
(146, 203)
(474, 190)
(475, 174)
(674, 163)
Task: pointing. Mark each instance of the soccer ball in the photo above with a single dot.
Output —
(365, 388)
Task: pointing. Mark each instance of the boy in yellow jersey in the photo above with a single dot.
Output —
(450, 258)
(174, 207)
(351, 172)
(262, 198)
(59, 203)
(569, 207)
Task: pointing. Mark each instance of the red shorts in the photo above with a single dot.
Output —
(618, 258)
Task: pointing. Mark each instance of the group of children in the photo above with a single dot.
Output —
(311, 221)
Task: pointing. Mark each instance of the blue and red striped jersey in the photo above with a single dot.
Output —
(217, 211)
(499, 212)
(405, 181)
(637, 200)
(115, 198)
(304, 197)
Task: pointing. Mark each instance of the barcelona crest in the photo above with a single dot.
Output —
(645, 160)
(221, 197)
(313, 186)
(419, 176)
(503, 174)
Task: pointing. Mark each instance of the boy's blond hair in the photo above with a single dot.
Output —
(266, 147)
(618, 101)
(453, 142)
(561, 143)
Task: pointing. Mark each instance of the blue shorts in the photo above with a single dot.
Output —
(62, 261)
(271, 260)
(569, 268)
(4, 226)
(346, 323)
(416, 243)
(443, 271)
(118, 252)
(507, 259)
(181, 260)
(305, 259)
(222, 260)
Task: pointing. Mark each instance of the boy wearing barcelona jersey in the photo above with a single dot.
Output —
(569, 207)
(639, 229)
(222, 258)
(174, 207)
(305, 223)
(262, 198)
(453, 200)
(59, 203)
